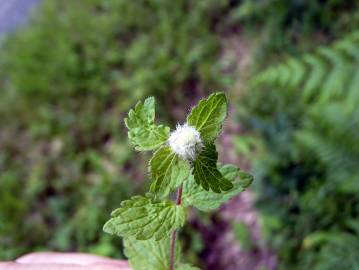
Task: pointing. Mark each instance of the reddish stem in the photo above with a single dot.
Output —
(174, 233)
(179, 195)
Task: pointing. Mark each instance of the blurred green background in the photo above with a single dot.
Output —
(290, 69)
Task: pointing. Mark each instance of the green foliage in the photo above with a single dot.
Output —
(333, 68)
(206, 173)
(243, 235)
(65, 80)
(168, 171)
(207, 117)
(152, 255)
(282, 27)
(187, 267)
(307, 176)
(149, 254)
(345, 246)
(145, 218)
(142, 131)
(152, 219)
(194, 195)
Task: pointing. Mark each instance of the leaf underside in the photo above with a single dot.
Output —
(167, 170)
(194, 195)
(207, 117)
(206, 173)
(143, 218)
(143, 133)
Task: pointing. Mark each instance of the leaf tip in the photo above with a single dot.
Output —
(107, 227)
(246, 179)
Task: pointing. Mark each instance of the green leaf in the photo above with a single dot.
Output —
(195, 195)
(246, 179)
(167, 170)
(206, 173)
(152, 255)
(207, 117)
(143, 133)
(145, 218)
(149, 254)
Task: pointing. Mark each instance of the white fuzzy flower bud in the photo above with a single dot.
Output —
(186, 142)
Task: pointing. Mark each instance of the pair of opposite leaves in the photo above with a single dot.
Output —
(205, 186)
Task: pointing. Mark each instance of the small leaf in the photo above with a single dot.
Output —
(149, 254)
(143, 133)
(246, 179)
(207, 117)
(145, 218)
(195, 195)
(167, 170)
(206, 173)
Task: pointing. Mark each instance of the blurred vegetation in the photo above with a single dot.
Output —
(242, 234)
(66, 81)
(302, 108)
(284, 28)
(68, 78)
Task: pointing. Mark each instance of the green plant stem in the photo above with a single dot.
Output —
(174, 233)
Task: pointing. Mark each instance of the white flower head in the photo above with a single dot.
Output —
(186, 142)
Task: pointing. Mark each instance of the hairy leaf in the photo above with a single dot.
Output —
(167, 170)
(195, 195)
(149, 254)
(207, 117)
(206, 173)
(152, 255)
(144, 218)
(143, 133)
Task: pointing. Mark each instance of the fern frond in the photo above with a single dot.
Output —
(315, 75)
(327, 73)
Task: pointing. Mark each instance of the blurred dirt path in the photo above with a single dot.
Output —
(14, 13)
